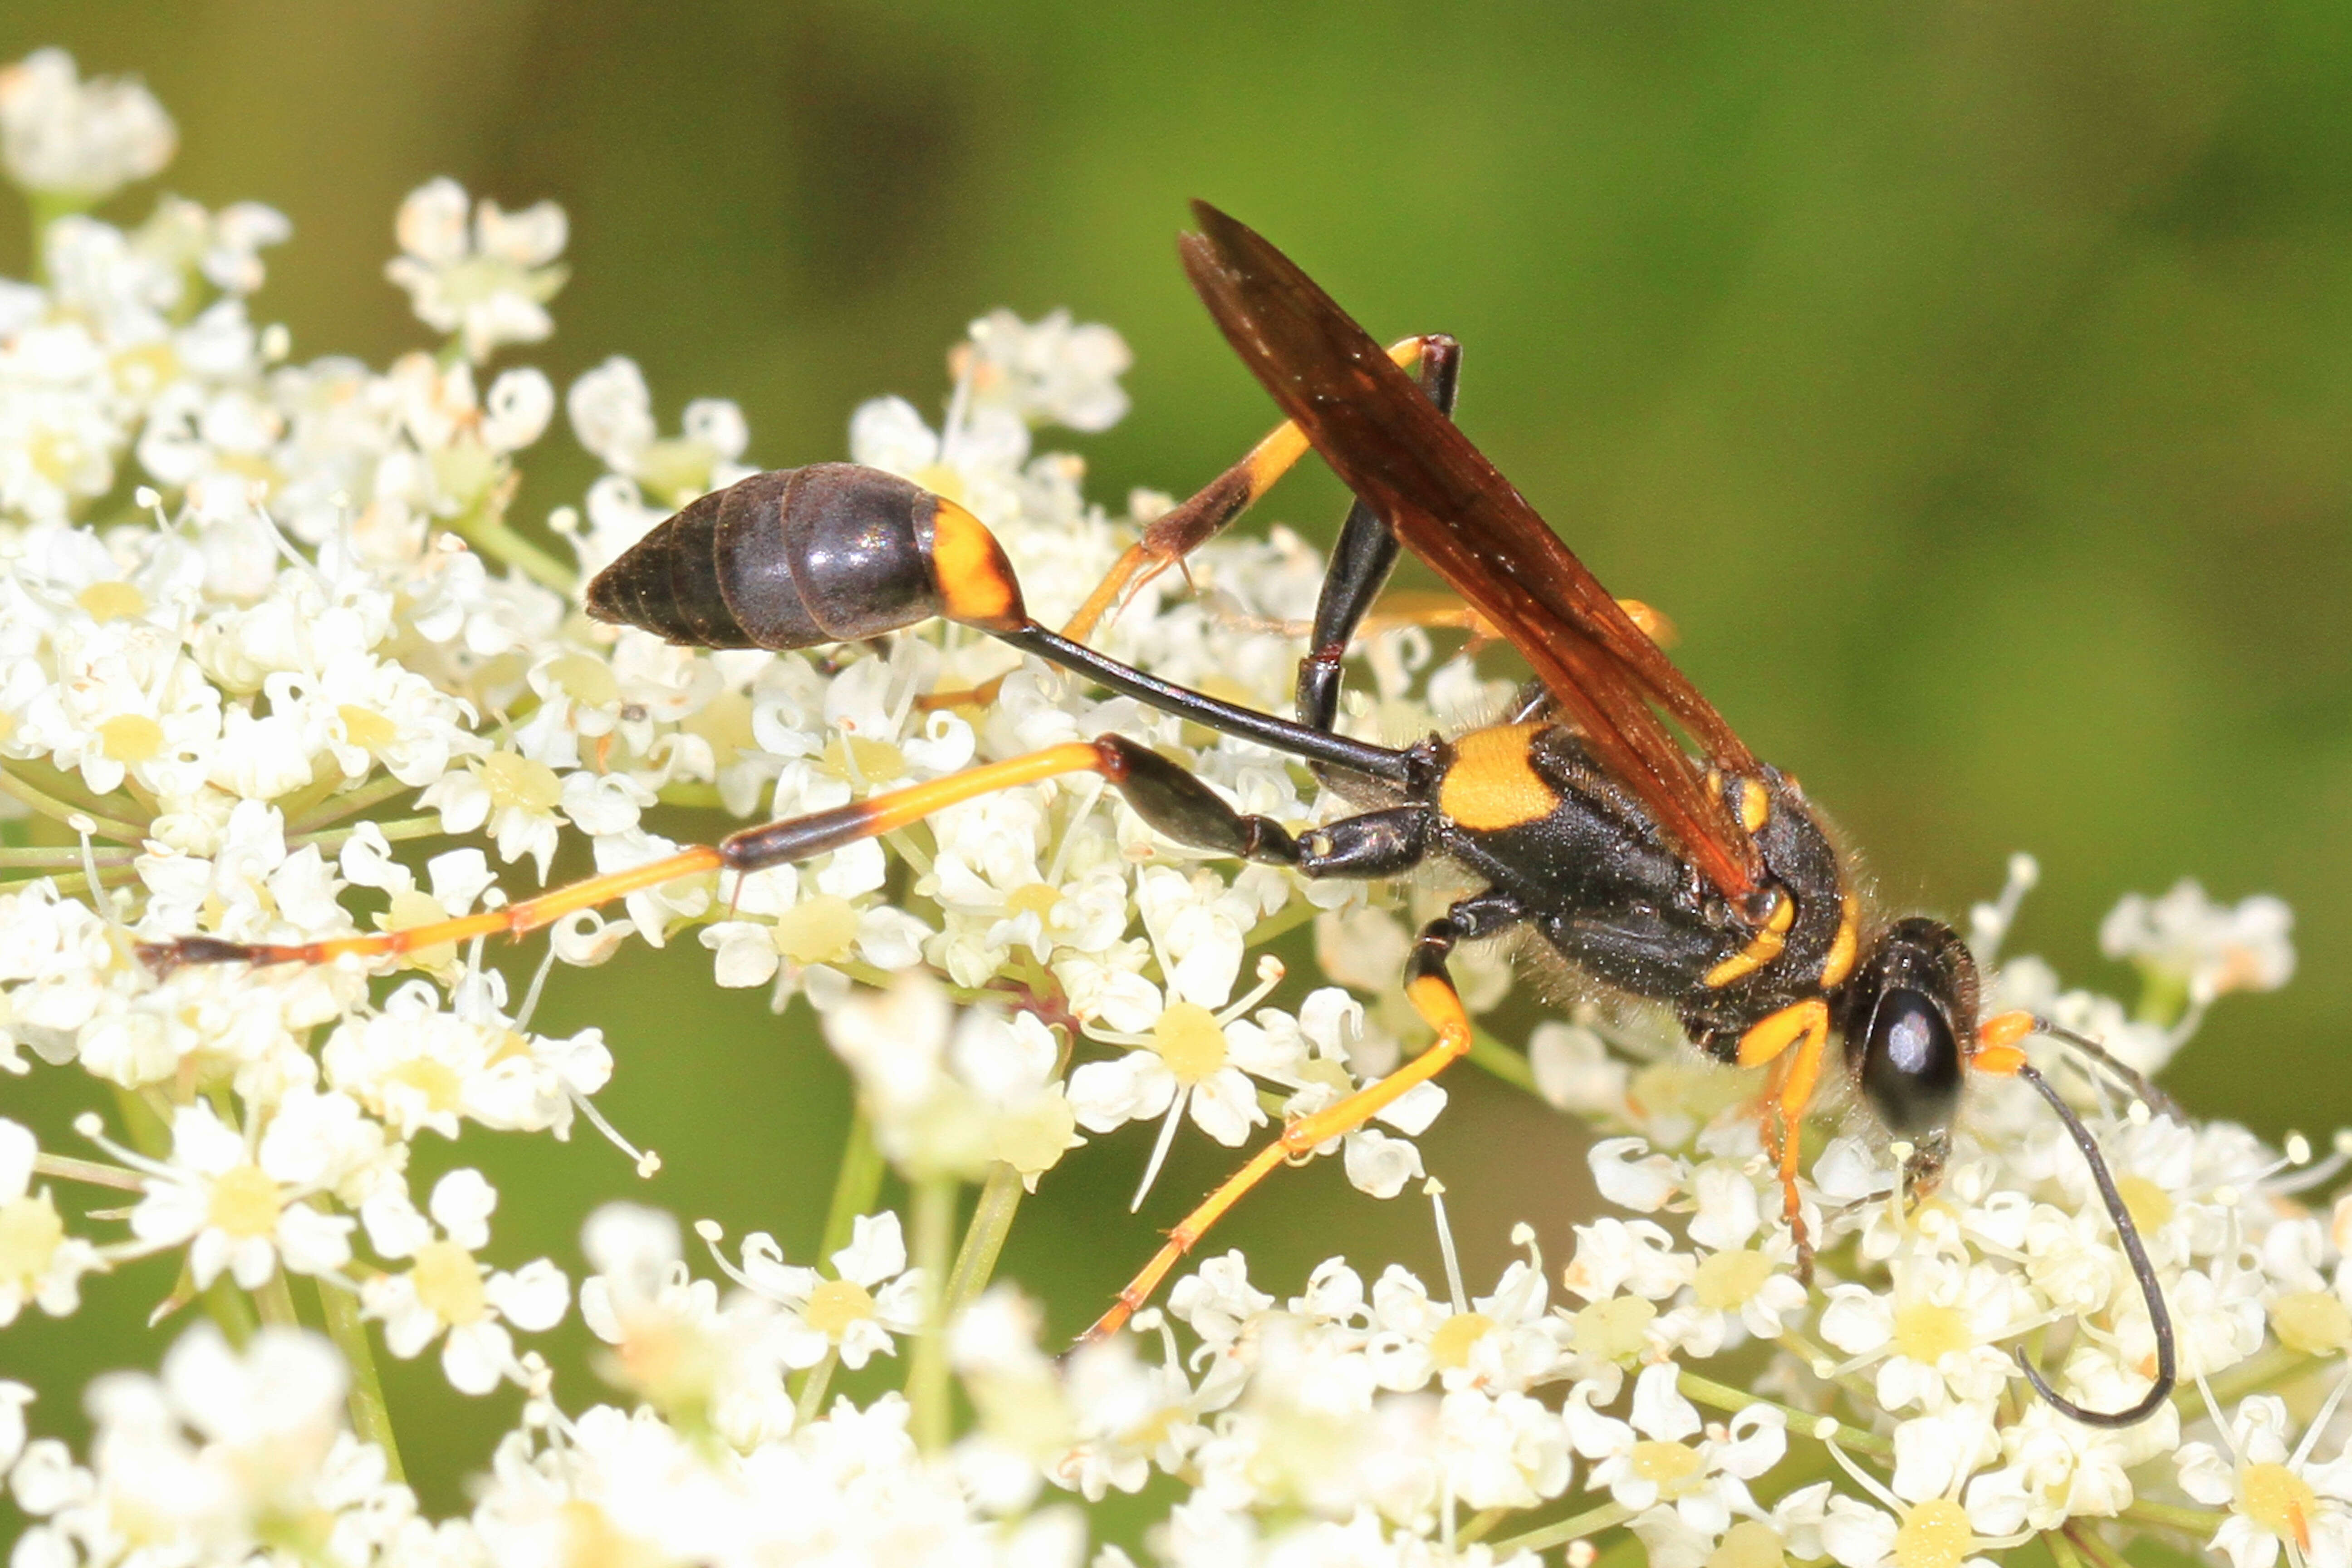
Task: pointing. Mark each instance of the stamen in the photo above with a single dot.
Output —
(1269, 976)
(1160, 1150)
(712, 1233)
(648, 1162)
(1864, 1480)
(531, 995)
(2319, 1422)
(1436, 1191)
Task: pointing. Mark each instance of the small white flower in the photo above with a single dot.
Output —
(491, 286)
(80, 139)
(240, 1208)
(445, 1289)
(2276, 1498)
(872, 1296)
(2188, 941)
(39, 1263)
(1648, 1462)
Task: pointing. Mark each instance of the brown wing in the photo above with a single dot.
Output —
(1451, 508)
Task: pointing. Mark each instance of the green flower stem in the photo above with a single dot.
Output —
(74, 881)
(854, 1186)
(811, 1401)
(371, 1415)
(928, 1388)
(67, 856)
(2274, 1364)
(1501, 1061)
(228, 1308)
(275, 1302)
(492, 537)
(2080, 1535)
(396, 830)
(983, 1239)
(2200, 1522)
(2062, 1551)
(334, 808)
(1481, 1524)
(94, 1172)
(65, 811)
(1801, 1422)
(1550, 1535)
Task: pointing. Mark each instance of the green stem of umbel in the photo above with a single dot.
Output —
(928, 1389)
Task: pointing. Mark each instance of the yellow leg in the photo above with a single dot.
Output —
(1179, 533)
(753, 850)
(1434, 997)
(1804, 1025)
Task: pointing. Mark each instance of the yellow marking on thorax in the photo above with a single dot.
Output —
(1754, 805)
(977, 587)
(1492, 783)
(1842, 947)
(1762, 950)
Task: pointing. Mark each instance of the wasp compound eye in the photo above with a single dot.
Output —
(1911, 1064)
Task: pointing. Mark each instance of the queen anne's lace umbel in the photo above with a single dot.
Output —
(264, 623)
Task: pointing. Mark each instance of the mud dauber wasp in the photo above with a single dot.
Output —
(1674, 868)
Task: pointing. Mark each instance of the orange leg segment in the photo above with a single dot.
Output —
(1805, 1027)
(1430, 992)
(753, 850)
(1177, 533)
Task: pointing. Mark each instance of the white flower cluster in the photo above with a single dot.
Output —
(248, 607)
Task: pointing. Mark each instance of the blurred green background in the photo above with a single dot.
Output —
(1972, 383)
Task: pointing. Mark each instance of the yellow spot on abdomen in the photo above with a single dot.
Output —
(977, 587)
(1492, 783)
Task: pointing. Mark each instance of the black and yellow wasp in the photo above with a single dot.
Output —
(1614, 818)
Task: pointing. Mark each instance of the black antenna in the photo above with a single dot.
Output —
(2159, 1320)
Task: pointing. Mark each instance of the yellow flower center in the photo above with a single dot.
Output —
(29, 1233)
(365, 728)
(822, 929)
(1725, 1280)
(2315, 1323)
(834, 1305)
(1670, 1466)
(436, 1082)
(514, 780)
(1037, 898)
(1933, 1534)
(677, 469)
(726, 723)
(2149, 1205)
(1190, 1041)
(590, 1540)
(148, 368)
(1614, 1329)
(244, 1202)
(1449, 1347)
(1926, 1333)
(2279, 1500)
(112, 601)
(131, 738)
(449, 1282)
(1750, 1544)
(1032, 1141)
(857, 760)
(585, 680)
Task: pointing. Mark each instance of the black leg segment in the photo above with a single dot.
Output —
(1361, 560)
